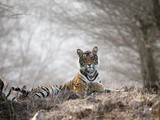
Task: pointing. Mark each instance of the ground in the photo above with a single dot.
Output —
(123, 104)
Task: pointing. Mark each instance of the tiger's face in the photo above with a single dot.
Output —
(88, 60)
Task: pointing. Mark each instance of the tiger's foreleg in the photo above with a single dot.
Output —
(94, 87)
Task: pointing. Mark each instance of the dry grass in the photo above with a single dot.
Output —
(126, 104)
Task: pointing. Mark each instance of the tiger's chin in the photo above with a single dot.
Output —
(91, 73)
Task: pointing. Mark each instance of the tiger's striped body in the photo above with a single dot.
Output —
(44, 91)
(85, 82)
(8, 92)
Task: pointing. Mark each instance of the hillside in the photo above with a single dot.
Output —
(123, 104)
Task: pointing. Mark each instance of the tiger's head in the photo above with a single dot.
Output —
(88, 60)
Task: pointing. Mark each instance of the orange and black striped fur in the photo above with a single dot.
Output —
(87, 78)
(85, 82)
(44, 91)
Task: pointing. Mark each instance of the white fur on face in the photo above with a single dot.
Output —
(79, 66)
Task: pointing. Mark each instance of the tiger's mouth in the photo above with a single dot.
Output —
(90, 69)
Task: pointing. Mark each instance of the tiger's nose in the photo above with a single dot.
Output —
(89, 64)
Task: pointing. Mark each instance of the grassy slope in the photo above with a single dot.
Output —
(126, 104)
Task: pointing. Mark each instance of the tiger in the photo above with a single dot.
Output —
(87, 79)
(10, 93)
(85, 82)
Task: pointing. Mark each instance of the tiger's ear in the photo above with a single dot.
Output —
(95, 49)
(79, 52)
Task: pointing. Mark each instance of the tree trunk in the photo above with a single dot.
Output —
(148, 69)
(156, 10)
(148, 66)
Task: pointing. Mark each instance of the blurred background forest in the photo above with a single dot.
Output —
(39, 39)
